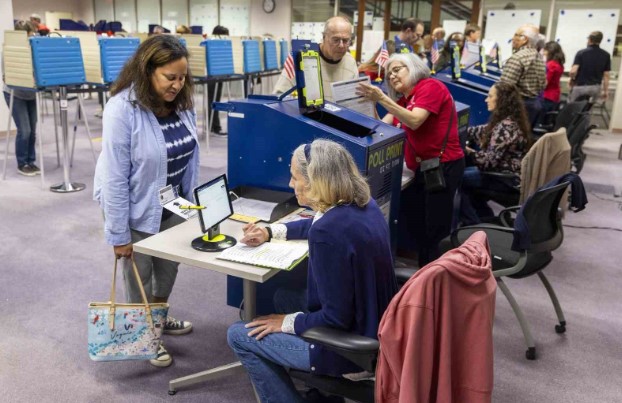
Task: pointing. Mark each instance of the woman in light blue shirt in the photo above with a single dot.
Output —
(149, 142)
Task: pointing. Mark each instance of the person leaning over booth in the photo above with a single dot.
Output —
(25, 117)
(350, 276)
(424, 108)
(149, 141)
(501, 145)
(336, 62)
(525, 68)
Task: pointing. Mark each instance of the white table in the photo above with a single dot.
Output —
(174, 244)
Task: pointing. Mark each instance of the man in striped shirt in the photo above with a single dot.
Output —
(525, 68)
(336, 62)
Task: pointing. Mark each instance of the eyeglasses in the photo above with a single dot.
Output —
(395, 70)
(336, 41)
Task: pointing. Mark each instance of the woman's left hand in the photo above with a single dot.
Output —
(369, 91)
(264, 325)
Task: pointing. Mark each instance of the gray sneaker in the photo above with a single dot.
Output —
(35, 169)
(177, 327)
(26, 170)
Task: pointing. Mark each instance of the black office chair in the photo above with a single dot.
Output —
(564, 117)
(577, 134)
(544, 222)
(361, 350)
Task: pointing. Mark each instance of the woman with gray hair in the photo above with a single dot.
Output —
(350, 276)
(424, 108)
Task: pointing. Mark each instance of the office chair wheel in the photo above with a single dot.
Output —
(561, 328)
(530, 354)
(172, 392)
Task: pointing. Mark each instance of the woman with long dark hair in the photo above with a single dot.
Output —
(498, 146)
(149, 145)
(555, 60)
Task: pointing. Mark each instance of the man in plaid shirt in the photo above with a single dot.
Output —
(525, 68)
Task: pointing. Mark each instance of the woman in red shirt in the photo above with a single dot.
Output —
(554, 69)
(424, 108)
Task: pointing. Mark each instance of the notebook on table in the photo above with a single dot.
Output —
(272, 255)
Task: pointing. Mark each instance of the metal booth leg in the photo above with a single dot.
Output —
(8, 132)
(55, 112)
(67, 186)
(38, 133)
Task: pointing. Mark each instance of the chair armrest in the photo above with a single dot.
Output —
(403, 274)
(361, 350)
(505, 214)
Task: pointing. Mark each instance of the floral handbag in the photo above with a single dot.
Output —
(119, 332)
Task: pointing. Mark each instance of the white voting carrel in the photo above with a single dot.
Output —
(502, 24)
(574, 26)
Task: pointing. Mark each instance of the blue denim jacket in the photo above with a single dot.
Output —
(132, 168)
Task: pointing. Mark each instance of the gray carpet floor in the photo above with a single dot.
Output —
(54, 261)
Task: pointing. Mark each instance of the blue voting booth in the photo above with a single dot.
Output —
(284, 46)
(219, 57)
(252, 60)
(57, 64)
(270, 60)
(114, 54)
(57, 61)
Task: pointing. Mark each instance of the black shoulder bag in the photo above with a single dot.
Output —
(432, 169)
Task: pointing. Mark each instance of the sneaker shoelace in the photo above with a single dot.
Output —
(173, 323)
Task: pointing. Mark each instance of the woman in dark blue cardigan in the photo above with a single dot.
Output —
(350, 280)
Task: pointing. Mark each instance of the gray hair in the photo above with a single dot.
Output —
(331, 175)
(532, 33)
(417, 70)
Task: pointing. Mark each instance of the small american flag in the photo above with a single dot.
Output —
(289, 67)
(435, 54)
(383, 56)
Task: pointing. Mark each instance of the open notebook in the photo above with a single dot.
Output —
(273, 255)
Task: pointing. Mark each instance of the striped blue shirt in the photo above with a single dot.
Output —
(179, 148)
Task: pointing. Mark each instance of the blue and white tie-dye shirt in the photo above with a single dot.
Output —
(179, 147)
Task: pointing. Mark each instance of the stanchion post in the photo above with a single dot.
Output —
(67, 186)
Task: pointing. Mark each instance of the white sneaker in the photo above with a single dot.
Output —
(163, 359)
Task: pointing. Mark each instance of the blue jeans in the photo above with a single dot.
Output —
(266, 360)
(25, 117)
(473, 209)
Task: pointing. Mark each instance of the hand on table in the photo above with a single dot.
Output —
(264, 325)
(254, 235)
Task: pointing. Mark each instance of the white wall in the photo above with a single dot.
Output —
(6, 22)
(616, 111)
(81, 9)
(277, 23)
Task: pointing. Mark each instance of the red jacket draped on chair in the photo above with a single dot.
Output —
(436, 335)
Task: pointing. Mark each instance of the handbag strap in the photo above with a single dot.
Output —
(140, 287)
(451, 121)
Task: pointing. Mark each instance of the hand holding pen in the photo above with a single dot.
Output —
(254, 235)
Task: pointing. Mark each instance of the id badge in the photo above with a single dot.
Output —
(170, 200)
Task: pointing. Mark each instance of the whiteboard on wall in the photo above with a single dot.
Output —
(308, 30)
(235, 15)
(502, 24)
(574, 26)
(451, 26)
